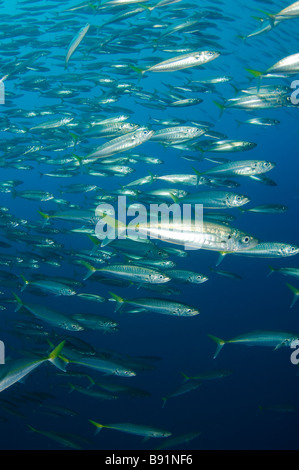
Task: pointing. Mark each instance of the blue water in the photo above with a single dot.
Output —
(225, 411)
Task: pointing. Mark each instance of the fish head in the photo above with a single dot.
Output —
(249, 145)
(179, 193)
(124, 372)
(198, 278)
(187, 312)
(111, 324)
(143, 134)
(236, 200)
(130, 127)
(289, 250)
(209, 55)
(158, 278)
(166, 264)
(191, 132)
(130, 192)
(72, 326)
(259, 167)
(243, 241)
(67, 291)
(155, 253)
(200, 131)
(160, 434)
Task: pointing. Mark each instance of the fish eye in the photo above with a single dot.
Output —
(246, 239)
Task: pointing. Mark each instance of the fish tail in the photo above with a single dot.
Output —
(270, 16)
(222, 254)
(116, 227)
(271, 270)
(295, 292)
(74, 136)
(119, 300)
(174, 198)
(198, 174)
(110, 221)
(91, 380)
(45, 216)
(220, 106)
(153, 177)
(90, 270)
(137, 70)
(20, 303)
(220, 343)
(72, 387)
(26, 282)
(243, 38)
(147, 9)
(97, 425)
(93, 7)
(56, 359)
(257, 18)
(32, 428)
(186, 377)
(271, 19)
(255, 73)
(93, 239)
(258, 75)
(79, 159)
(236, 89)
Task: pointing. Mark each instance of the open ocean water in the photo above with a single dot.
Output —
(75, 76)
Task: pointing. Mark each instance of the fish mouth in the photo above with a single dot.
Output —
(241, 201)
(244, 201)
(193, 313)
(293, 251)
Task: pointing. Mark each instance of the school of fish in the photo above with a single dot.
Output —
(94, 92)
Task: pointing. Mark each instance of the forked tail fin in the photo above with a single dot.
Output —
(295, 292)
(220, 343)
